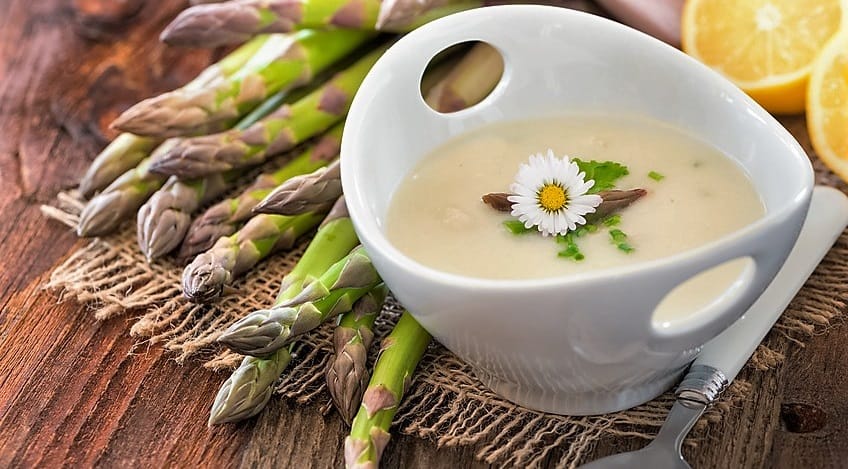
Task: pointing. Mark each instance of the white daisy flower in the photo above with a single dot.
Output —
(550, 194)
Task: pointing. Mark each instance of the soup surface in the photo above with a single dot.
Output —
(437, 217)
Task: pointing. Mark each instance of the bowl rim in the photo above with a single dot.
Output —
(374, 239)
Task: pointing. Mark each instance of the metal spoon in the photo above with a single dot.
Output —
(722, 358)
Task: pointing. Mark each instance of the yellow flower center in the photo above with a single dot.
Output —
(552, 197)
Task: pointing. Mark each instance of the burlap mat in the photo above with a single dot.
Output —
(446, 403)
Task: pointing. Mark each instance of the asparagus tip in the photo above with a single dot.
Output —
(248, 390)
(259, 333)
(210, 25)
(160, 228)
(204, 280)
(101, 215)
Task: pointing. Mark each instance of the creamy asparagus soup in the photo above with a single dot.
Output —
(694, 194)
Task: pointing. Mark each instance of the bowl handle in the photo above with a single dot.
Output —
(402, 65)
(710, 320)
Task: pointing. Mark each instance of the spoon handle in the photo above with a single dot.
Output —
(826, 219)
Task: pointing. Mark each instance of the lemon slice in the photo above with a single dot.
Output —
(766, 47)
(827, 106)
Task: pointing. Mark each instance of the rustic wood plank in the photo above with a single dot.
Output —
(80, 393)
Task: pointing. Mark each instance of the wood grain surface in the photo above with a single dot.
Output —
(78, 393)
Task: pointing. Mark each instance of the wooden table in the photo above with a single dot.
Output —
(72, 392)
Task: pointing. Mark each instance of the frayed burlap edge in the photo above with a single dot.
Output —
(446, 403)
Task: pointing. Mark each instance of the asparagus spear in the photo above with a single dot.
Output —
(164, 219)
(246, 392)
(122, 154)
(278, 132)
(282, 62)
(248, 389)
(265, 331)
(127, 150)
(206, 276)
(126, 194)
(347, 373)
(302, 194)
(473, 78)
(223, 218)
(399, 355)
(236, 21)
(611, 201)
(105, 212)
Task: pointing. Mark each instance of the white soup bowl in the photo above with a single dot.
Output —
(580, 344)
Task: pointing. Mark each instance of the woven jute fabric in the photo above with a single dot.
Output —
(445, 403)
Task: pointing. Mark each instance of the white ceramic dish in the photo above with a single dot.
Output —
(581, 344)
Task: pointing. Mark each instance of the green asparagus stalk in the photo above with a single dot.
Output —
(399, 355)
(121, 155)
(127, 150)
(280, 131)
(247, 390)
(108, 209)
(116, 203)
(205, 278)
(302, 194)
(236, 21)
(164, 220)
(471, 80)
(224, 218)
(281, 63)
(347, 373)
(263, 332)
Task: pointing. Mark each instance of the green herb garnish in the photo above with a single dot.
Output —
(612, 220)
(604, 173)
(656, 176)
(516, 227)
(572, 250)
(619, 238)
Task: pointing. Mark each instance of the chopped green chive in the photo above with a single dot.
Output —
(572, 252)
(656, 176)
(617, 235)
(612, 220)
(619, 238)
(625, 247)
